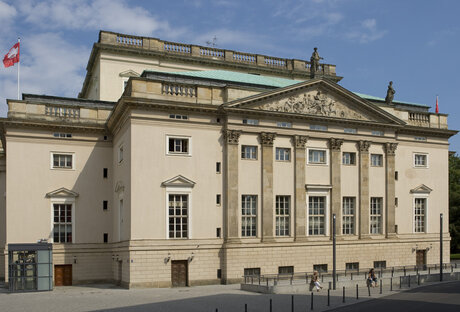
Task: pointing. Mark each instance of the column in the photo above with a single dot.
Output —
(300, 206)
(266, 140)
(336, 194)
(390, 149)
(363, 147)
(231, 138)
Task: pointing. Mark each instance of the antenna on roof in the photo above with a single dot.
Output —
(212, 43)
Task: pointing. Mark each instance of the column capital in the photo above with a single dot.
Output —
(390, 148)
(363, 146)
(335, 144)
(300, 141)
(267, 138)
(231, 136)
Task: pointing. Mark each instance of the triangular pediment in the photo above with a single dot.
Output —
(421, 189)
(178, 181)
(316, 98)
(129, 73)
(61, 192)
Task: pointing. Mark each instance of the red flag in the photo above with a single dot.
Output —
(12, 56)
(437, 107)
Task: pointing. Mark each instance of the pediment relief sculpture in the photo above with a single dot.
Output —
(314, 103)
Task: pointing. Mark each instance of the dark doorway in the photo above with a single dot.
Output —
(421, 258)
(179, 273)
(63, 275)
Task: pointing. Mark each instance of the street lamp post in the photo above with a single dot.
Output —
(440, 247)
(333, 253)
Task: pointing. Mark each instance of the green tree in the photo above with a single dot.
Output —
(454, 202)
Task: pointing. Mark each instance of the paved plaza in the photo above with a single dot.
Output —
(210, 298)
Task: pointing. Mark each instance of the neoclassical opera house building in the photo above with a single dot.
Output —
(180, 164)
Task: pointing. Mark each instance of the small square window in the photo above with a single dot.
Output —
(318, 127)
(421, 160)
(316, 156)
(252, 272)
(62, 161)
(218, 232)
(396, 175)
(284, 124)
(219, 273)
(218, 167)
(321, 268)
(286, 270)
(178, 145)
(248, 152)
(380, 264)
(177, 116)
(349, 158)
(283, 154)
(105, 173)
(377, 132)
(350, 130)
(253, 122)
(376, 160)
(106, 237)
(218, 197)
(105, 205)
(352, 266)
(418, 138)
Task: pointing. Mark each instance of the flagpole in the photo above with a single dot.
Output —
(19, 63)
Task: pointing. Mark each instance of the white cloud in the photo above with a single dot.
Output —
(366, 32)
(50, 65)
(7, 14)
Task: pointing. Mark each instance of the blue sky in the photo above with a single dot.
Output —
(416, 44)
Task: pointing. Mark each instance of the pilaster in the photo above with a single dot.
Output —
(231, 139)
(300, 208)
(363, 147)
(335, 146)
(266, 140)
(390, 149)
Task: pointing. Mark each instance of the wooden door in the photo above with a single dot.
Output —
(179, 273)
(63, 275)
(421, 258)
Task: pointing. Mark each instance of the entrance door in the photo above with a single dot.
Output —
(63, 275)
(179, 273)
(421, 258)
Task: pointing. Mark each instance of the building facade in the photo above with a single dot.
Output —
(186, 165)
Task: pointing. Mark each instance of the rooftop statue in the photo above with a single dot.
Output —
(314, 60)
(390, 94)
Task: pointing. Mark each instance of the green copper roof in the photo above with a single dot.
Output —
(226, 75)
(238, 77)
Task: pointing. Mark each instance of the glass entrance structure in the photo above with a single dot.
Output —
(30, 267)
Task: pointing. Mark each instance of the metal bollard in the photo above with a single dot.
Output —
(270, 304)
(291, 280)
(400, 282)
(351, 275)
(357, 296)
(381, 282)
(292, 303)
(391, 284)
(322, 278)
(429, 271)
(409, 281)
(328, 297)
(418, 279)
(343, 297)
(404, 271)
(330, 285)
(311, 305)
(245, 307)
(369, 289)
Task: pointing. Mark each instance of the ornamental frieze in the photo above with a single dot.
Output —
(315, 104)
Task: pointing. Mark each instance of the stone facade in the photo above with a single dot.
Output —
(218, 174)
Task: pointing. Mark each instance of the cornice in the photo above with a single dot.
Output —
(21, 123)
(445, 133)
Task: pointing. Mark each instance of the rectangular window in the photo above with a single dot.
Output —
(248, 215)
(248, 152)
(286, 270)
(177, 116)
(62, 135)
(219, 273)
(349, 158)
(380, 264)
(396, 201)
(62, 223)
(106, 237)
(63, 161)
(284, 124)
(316, 215)
(318, 127)
(418, 138)
(348, 215)
(420, 160)
(178, 145)
(254, 122)
(252, 272)
(350, 130)
(376, 160)
(218, 232)
(105, 205)
(218, 197)
(120, 154)
(419, 215)
(283, 154)
(316, 156)
(218, 167)
(396, 175)
(283, 204)
(352, 266)
(105, 172)
(377, 132)
(376, 215)
(178, 215)
(321, 268)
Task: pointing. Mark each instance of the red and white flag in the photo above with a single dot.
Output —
(437, 106)
(12, 56)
